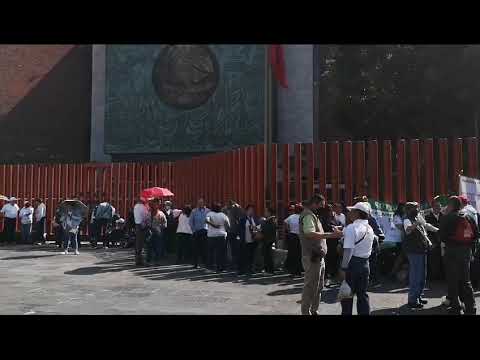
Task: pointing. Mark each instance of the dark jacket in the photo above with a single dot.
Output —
(434, 236)
(448, 226)
(416, 242)
(377, 230)
(269, 230)
(242, 227)
(234, 214)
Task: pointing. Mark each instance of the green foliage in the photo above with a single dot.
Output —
(389, 91)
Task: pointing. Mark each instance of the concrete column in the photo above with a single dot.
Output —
(295, 104)
(97, 137)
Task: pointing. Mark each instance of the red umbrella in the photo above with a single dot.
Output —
(155, 192)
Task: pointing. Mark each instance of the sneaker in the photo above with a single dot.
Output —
(415, 306)
(77, 252)
(105, 247)
(445, 301)
(423, 301)
(65, 252)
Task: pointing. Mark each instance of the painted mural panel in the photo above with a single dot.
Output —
(183, 98)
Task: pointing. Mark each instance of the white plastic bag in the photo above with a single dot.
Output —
(345, 292)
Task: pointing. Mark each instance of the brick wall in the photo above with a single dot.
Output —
(45, 103)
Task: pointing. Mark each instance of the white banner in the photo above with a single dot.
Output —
(470, 187)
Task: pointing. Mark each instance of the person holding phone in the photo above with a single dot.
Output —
(314, 249)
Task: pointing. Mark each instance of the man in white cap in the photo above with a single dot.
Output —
(10, 213)
(357, 248)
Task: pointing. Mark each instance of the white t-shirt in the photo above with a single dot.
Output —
(219, 219)
(293, 222)
(341, 218)
(184, 225)
(140, 213)
(10, 211)
(353, 233)
(26, 215)
(40, 212)
(395, 234)
(248, 234)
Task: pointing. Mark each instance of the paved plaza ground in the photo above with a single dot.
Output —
(41, 280)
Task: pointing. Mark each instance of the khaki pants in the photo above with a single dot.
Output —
(313, 284)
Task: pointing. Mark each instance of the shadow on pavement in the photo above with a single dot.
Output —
(27, 257)
(404, 310)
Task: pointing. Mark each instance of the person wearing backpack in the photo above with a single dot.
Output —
(102, 216)
(459, 232)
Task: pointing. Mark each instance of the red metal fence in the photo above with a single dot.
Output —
(120, 183)
(262, 175)
(388, 171)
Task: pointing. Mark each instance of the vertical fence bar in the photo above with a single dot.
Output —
(348, 171)
(252, 177)
(414, 167)
(286, 174)
(22, 185)
(401, 171)
(373, 171)
(387, 195)
(429, 166)
(457, 163)
(335, 170)
(322, 168)
(298, 172)
(472, 151)
(310, 163)
(273, 172)
(261, 158)
(359, 168)
(443, 160)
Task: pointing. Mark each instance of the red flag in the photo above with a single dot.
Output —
(277, 59)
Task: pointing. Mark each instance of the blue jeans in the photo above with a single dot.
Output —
(155, 248)
(26, 232)
(417, 271)
(70, 239)
(357, 276)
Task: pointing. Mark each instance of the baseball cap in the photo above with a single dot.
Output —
(13, 198)
(463, 199)
(361, 206)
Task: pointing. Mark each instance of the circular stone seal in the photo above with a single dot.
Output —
(185, 76)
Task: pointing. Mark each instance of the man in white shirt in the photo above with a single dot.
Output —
(10, 212)
(26, 219)
(357, 248)
(141, 216)
(39, 216)
(218, 224)
(293, 263)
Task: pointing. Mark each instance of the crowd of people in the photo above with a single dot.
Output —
(327, 244)
(32, 221)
